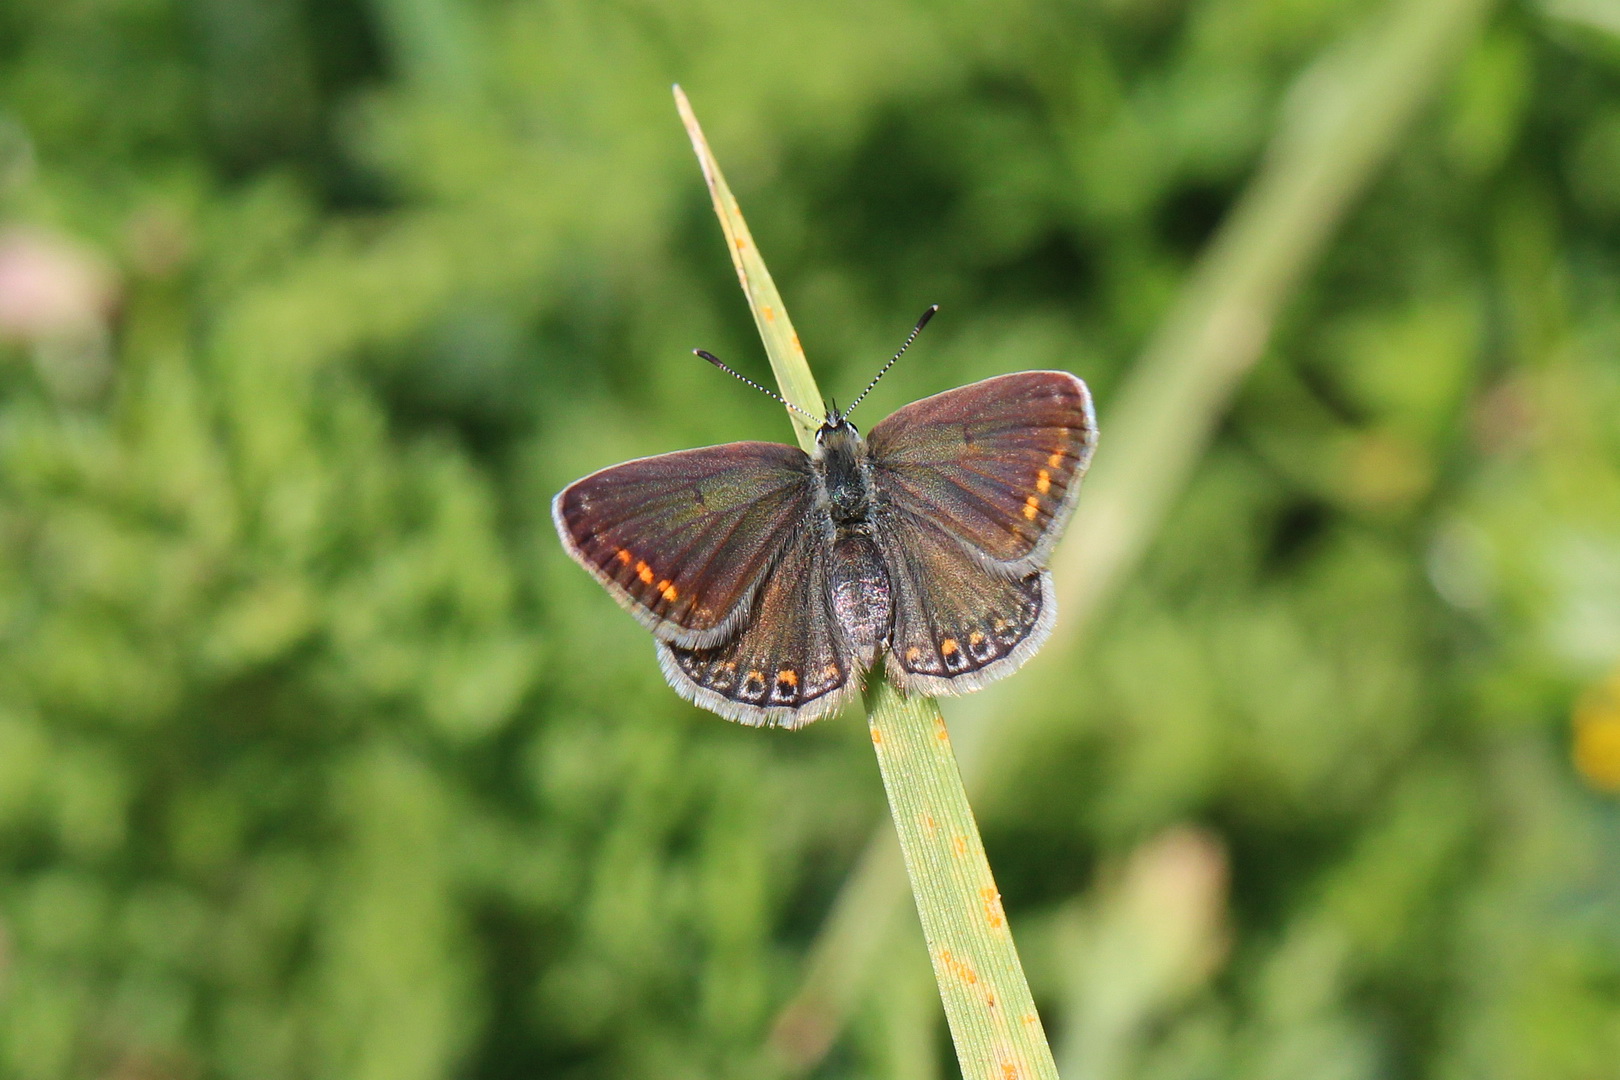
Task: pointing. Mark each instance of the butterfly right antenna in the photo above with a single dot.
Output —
(716, 361)
(884, 370)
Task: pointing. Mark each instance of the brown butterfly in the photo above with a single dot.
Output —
(773, 579)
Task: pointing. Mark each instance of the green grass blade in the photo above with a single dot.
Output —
(987, 1002)
(994, 1025)
(788, 363)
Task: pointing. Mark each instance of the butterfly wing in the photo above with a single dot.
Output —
(996, 464)
(974, 487)
(684, 540)
(958, 624)
(792, 662)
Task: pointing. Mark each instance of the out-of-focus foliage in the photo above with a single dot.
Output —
(318, 759)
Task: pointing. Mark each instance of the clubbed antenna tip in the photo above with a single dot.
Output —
(884, 370)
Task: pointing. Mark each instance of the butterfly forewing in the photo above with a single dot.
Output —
(791, 663)
(997, 464)
(683, 540)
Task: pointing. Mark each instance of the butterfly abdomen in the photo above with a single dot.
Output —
(861, 595)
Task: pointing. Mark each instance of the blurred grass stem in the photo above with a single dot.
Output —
(1342, 120)
(987, 1001)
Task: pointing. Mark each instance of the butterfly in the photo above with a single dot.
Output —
(774, 580)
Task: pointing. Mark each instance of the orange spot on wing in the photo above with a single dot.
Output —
(624, 556)
(1032, 506)
(1055, 460)
(975, 638)
(1043, 481)
(830, 671)
(912, 653)
(668, 590)
(948, 646)
(644, 572)
(789, 676)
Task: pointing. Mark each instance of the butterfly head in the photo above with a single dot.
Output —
(837, 437)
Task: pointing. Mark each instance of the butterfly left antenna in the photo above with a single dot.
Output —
(884, 370)
(716, 361)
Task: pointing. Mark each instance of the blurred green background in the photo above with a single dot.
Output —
(319, 759)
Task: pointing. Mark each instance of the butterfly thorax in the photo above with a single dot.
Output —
(841, 464)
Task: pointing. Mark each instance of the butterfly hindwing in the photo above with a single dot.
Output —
(791, 663)
(958, 624)
(683, 540)
(997, 464)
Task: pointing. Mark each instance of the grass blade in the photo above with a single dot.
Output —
(992, 1017)
(788, 363)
